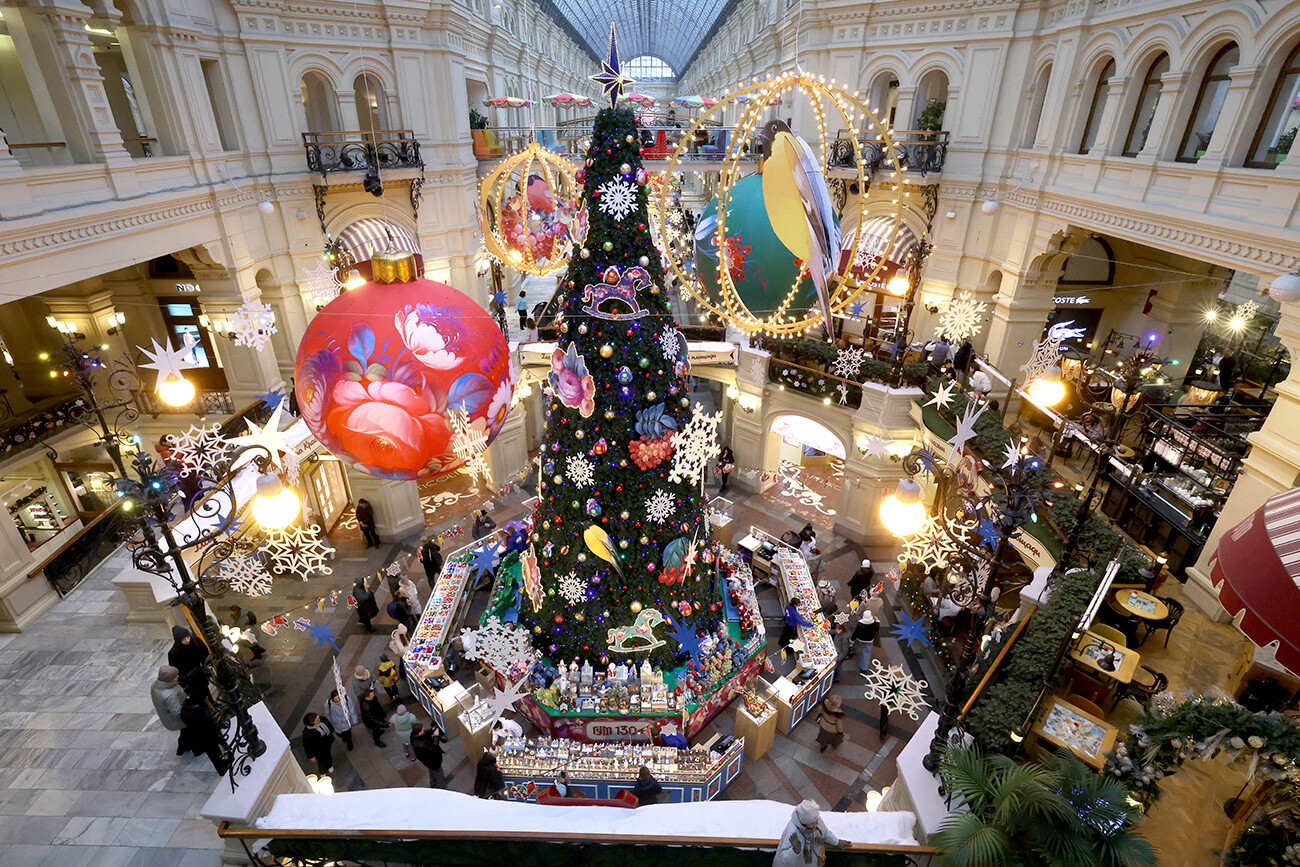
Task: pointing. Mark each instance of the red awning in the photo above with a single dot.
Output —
(1256, 572)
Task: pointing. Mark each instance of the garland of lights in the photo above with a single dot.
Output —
(757, 97)
(509, 182)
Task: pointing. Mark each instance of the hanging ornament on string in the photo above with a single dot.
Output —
(529, 211)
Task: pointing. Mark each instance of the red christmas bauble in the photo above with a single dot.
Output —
(381, 368)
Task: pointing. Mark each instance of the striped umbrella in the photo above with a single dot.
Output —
(1256, 572)
(695, 101)
(508, 102)
(638, 98)
(567, 99)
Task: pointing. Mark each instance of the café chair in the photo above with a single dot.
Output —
(1169, 622)
(1110, 633)
(1139, 691)
(1087, 687)
(1086, 705)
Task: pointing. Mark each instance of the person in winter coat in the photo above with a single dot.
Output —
(427, 746)
(404, 723)
(366, 521)
(386, 673)
(318, 743)
(726, 463)
(367, 607)
(843, 642)
(961, 361)
(793, 619)
(483, 524)
(398, 644)
(411, 593)
(863, 580)
(864, 638)
(399, 608)
(341, 712)
(363, 682)
(168, 698)
(488, 782)
(830, 722)
(200, 734)
(431, 559)
(647, 788)
(805, 838)
(187, 656)
(373, 717)
(939, 353)
(246, 620)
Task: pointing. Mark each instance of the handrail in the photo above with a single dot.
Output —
(1020, 627)
(351, 134)
(101, 517)
(13, 146)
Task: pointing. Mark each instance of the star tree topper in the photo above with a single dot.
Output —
(611, 77)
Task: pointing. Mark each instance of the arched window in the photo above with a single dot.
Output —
(1209, 102)
(319, 102)
(1145, 111)
(372, 112)
(1100, 92)
(884, 97)
(1036, 106)
(1278, 126)
(931, 100)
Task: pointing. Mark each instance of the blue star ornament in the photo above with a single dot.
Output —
(989, 532)
(911, 631)
(323, 634)
(857, 308)
(485, 560)
(271, 399)
(500, 298)
(684, 634)
(611, 77)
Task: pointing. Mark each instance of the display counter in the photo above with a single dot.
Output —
(1155, 511)
(601, 771)
(722, 520)
(756, 722)
(443, 615)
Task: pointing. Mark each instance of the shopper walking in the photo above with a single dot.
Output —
(483, 524)
(726, 463)
(404, 723)
(187, 656)
(647, 788)
(400, 610)
(864, 638)
(362, 682)
(366, 521)
(488, 782)
(386, 673)
(863, 580)
(200, 734)
(843, 642)
(431, 560)
(341, 712)
(961, 361)
(427, 746)
(373, 717)
(367, 607)
(805, 838)
(830, 722)
(521, 307)
(318, 743)
(168, 698)
(408, 589)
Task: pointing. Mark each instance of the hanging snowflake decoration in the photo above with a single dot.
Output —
(848, 363)
(660, 507)
(292, 469)
(931, 546)
(469, 442)
(962, 318)
(617, 199)
(1246, 311)
(670, 341)
(581, 471)
(572, 589)
(253, 324)
(1047, 354)
(896, 689)
(201, 450)
(500, 645)
(300, 550)
(322, 284)
(695, 446)
(245, 575)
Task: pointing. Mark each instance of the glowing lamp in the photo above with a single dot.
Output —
(902, 512)
(898, 285)
(1285, 287)
(355, 280)
(275, 506)
(1017, 734)
(176, 390)
(1048, 389)
(1202, 393)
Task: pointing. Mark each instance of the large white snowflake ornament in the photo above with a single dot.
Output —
(201, 450)
(322, 284)
(500, 645)
(1047, 354)
(962, 318)
(245, 575)
(896, 689)
(931, 546)
(572, 589)
(300, 550)
(617, 199)
(670, 341)
(660, 507)
(253, 324)
(469, 442)
(695, 446)
(848, 363)
(581, 471)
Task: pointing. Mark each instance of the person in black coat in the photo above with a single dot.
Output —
(488, 782)
(318, 742)
(367, 607)
(431, 559)
(200, 734)
(187, 655)
(366, 521)
(400, 610)
(483, 524)
(961, 361)
(427, 746)
(863, 580)
(647, 788)
(1227, 370)
(373, 716)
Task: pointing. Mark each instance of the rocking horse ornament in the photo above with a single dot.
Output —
(620, 289)
(638, 636)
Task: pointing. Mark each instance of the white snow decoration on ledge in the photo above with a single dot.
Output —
(440, 810)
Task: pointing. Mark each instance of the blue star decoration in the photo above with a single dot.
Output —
(989, 532)
(271, 399)
(911, 630)
(857, 308)
(323, 634)
(611, 77)
(684, 634)
(485, 560)
(500, 298)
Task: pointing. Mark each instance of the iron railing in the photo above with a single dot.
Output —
(69, 566)
(204, 403)
(920, 151)
(358, 151)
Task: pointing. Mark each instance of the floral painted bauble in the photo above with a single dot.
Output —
(381, 368)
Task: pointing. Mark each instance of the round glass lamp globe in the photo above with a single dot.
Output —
(1048, 390)
(902, 512)
(276, 511)
(897, 285)
(176, 391)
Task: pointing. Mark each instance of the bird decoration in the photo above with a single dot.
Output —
(602, 545)
(799, 207)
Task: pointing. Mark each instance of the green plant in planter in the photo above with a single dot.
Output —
(477, 120)
(931, 119)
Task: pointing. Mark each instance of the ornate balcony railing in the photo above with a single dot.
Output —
(357, 151)
(920, 151)
(205, 403)
(68, 566)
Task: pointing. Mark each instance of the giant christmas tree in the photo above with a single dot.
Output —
(621, 511)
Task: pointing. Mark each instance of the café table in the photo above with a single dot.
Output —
(1090, 649)
(1088, 737)
(1139, 604)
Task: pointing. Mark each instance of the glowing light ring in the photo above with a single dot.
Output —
(757, 97)
(501, 185)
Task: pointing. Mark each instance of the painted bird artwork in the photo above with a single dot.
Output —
(799, 207)
(603, 546)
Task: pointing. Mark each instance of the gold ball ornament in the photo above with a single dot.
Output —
(514, 231)
(635, 606)
(606, 351)
(622, 543)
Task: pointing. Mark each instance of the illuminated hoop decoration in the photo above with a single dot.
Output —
(516, 232)
(854, 113)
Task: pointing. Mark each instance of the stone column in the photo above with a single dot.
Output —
(1272, 467)
(22, 600)
(1019, 313)
(1166, 127)
(397, 504)
(508, 453)
(747, 420)
(1108, 129)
